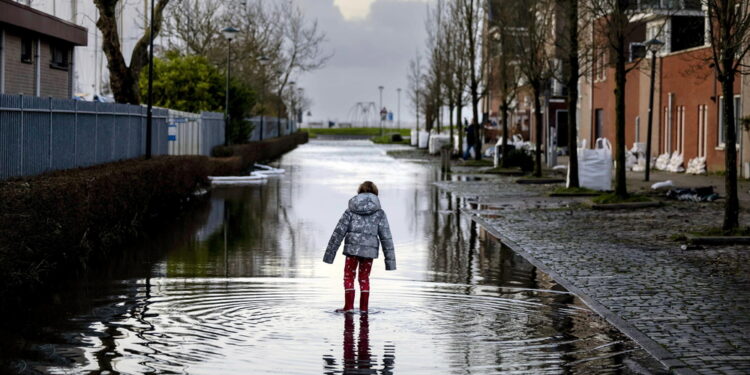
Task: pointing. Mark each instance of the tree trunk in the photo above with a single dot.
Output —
(538, 129)
(451, 107)
(504, 109)
(480, 127)
(572, 83)
(621, 188)
(123, 78)
(459, 112)
(732, 205)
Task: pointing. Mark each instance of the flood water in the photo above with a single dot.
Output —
(238, 287)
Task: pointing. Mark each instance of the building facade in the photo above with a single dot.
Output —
(687, 95)
(37, 52)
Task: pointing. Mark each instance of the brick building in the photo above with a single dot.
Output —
(36, 51)
(687, 96)
(554, 94)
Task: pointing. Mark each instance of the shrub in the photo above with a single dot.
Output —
(52, 224)
(245, 155)
(519, 159)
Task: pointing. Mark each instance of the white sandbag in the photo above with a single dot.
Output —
(696, 166)
(630, 160)
(413, 137)
(675, 163)
(662, 162)
(595, 166)
(424, 138)
(662, 184)
(640, 165)
(436, 142)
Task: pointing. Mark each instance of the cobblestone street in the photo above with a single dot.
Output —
(688, 308)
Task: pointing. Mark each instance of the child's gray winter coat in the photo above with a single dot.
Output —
(365, 227)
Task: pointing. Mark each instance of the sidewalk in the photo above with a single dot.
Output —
(690, 309)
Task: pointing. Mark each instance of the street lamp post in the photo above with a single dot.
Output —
(381, 108)
(398, 108)
(653, 45)
(150, 106)
(229, 34)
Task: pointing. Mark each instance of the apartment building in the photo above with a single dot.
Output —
(687, 100)
(37, 51)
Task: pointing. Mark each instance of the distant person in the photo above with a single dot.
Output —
(365, 227)
(471, 139)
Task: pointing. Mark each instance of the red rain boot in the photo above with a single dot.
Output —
(364, 300)
(348, 301)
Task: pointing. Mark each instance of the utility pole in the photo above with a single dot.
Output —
(380, 109)
(150, 106)
(398, 110)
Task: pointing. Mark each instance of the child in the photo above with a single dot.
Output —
(365, 227)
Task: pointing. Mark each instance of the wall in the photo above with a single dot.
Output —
(55, 81)
(19, 76)
(684, 76)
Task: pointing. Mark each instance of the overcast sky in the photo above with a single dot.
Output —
(372, 42)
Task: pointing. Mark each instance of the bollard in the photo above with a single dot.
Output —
(445, 158)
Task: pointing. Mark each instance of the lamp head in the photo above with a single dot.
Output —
(229, 33)
(654, 45)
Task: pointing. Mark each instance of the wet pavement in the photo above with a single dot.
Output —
(238, 287)
(689, 308)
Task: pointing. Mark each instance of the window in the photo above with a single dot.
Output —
(637, 51)
(737, 114)
(26, 50)
(59, 57)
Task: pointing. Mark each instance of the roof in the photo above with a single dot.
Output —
(22, 16)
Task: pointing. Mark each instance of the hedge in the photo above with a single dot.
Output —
(53, 224)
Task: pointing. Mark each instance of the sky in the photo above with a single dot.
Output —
(372, 42)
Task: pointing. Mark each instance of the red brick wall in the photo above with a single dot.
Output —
(688, 77)
(604, 98)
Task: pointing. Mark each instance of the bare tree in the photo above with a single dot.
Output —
(124, 77)
(535, 57)
(729, 33)
(415, 77)
(471, 17)
(504, 73)
(616, 24)
(194, 25)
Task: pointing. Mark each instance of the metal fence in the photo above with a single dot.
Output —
(265, 127)
(45, 134)
(194, 134)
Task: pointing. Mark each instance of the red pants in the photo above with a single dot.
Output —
(350, 269)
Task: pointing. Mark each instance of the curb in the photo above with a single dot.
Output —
(539, 181)
(718, 240)
(623, 206)
(657, 351)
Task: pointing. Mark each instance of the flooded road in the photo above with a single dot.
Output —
(239, 287)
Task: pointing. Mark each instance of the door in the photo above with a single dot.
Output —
(562, 129)
(598, 125)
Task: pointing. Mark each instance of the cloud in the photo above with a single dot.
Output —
(354, 9)
(370, 50)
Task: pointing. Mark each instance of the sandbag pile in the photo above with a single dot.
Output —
(662, 162)
(675, 163)
(696, 166)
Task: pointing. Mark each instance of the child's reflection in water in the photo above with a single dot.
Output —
(358, 359)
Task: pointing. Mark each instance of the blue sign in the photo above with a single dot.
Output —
(390, 116)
